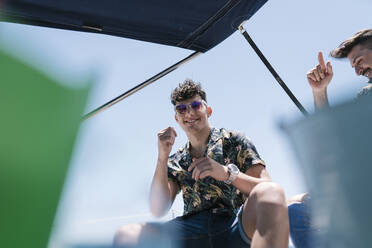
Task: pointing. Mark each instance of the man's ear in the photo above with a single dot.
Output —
(209, 111)
(175, 117)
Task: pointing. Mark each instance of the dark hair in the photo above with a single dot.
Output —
(186, 90)
(363, 37)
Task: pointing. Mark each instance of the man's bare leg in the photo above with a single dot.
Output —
(265, 217)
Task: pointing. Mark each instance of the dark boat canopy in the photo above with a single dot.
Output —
(191, 24)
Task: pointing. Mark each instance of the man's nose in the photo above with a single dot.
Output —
(189, 111)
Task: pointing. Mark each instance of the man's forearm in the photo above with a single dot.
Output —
(246, 183)
(160, 199)
(321, 99)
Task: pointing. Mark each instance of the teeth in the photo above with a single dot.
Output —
(191, 121)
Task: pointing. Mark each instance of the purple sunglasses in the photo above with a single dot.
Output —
(195, 105)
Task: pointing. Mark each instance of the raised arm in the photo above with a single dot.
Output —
(163, 192)
(319, 78)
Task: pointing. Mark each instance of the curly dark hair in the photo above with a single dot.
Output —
(363, 37)
(186, 90)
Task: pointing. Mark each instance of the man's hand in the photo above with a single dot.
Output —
(320, 76)
(203, 167)
(166, 139)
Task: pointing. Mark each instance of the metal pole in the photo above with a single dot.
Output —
(271, 69)
(140, 86)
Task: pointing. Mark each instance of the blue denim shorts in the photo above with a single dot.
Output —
(303, 233)
(204, 229)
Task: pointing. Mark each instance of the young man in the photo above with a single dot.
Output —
(229, 199)
(358, 49)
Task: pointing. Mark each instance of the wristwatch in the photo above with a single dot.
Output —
(233, 173)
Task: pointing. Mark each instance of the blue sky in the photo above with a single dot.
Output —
(115, 154)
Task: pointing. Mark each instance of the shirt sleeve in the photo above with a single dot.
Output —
(246, 153)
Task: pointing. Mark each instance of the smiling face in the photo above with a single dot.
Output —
(360, 58)
(194, 120)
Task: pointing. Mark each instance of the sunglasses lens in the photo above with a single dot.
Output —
(181, 108)
(196, 105)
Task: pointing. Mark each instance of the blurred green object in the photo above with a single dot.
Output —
(38, 126)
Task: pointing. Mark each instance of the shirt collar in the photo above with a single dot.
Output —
(214, 136)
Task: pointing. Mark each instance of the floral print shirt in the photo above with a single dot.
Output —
(225, 147)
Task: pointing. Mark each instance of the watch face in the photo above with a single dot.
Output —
(233, 168)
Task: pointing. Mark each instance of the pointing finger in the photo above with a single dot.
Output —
(321, 61)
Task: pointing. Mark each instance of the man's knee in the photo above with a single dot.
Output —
(269, 194)
(266, 211)
(127, 235)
